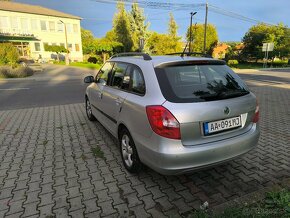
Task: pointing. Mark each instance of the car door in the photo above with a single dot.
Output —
(96, 91)
(114, 95)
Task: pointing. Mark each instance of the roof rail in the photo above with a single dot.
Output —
(145, 56)
(191, 54)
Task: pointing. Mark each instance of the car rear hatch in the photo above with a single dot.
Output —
(208, 99)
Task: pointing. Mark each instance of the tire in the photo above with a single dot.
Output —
(89, 111)
(129, 153)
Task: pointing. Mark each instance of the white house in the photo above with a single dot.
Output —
(30, 27)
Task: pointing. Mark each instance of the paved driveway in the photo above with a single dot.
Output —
(48, 168)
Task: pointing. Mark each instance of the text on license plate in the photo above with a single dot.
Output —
(221, 125)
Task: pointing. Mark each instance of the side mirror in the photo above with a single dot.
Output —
(89, 79)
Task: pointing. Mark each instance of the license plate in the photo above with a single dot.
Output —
(221, 125)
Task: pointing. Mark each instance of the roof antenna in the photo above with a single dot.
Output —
(182, 55)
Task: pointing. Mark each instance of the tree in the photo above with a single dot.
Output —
(262, 33)
(55, 48)
(121, 27)
(232, 52)
(161, 44)
(172, 26)
(198, 38)
(8, 54)
(138, 25)
(88, 41)
(106, 47)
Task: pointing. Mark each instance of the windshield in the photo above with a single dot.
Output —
(197, 83)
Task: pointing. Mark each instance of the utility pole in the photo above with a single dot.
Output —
(190, 30)
(205, 28)
(66, 44)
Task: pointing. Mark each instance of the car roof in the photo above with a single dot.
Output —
(160, 60)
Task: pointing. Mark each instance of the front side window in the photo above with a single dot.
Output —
(118, 73)
(104, 75)
(184, 83)
(43, 25)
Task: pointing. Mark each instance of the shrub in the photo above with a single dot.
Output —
(19, 72)
(8, 54)
(92, 60)
(233, 63)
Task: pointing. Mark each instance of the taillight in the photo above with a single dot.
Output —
(257, 113)
(163, 122)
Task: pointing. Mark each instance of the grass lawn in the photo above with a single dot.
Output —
(274, 205)
(249, 66)
(82, 64)
(253, 65)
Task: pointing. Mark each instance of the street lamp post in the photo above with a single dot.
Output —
(66, 45)
(190, 30)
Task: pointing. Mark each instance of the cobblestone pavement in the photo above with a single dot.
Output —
(48, 168)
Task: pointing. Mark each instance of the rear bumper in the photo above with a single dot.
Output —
(170, 157)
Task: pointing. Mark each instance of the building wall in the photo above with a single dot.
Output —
(47, 29)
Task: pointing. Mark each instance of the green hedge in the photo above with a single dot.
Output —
(233, 63)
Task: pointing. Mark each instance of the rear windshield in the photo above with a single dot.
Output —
(198, 83)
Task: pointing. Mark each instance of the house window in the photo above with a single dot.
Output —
(14, 23)
(69, 28)
(53, 44)
(34, 25)
(3, 22)
(70, 47)
(77, 46)
(60, 27)
(43, 25)
(76, 29)
(37, 46)
(51, 26)
(24, 24)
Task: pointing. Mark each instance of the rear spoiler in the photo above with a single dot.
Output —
(191, 62)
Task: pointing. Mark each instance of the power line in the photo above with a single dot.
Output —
(187, 6)
(154, 4)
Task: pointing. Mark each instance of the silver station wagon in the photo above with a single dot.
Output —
(174, 114)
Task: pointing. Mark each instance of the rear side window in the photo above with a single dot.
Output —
(197, 83)
(128, 77)
(138, 84)
(105, 74)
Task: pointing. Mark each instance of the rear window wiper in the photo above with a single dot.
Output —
(221, 95)
(234, 94)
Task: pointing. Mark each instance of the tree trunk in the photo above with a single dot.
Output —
(57, 56)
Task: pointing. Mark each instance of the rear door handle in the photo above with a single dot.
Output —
(100, 94)
(118, 101)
